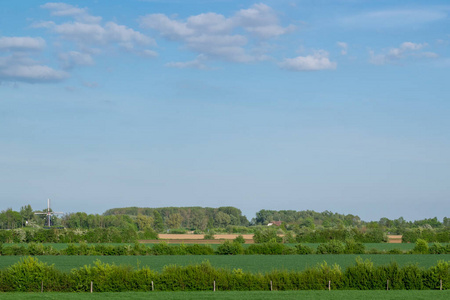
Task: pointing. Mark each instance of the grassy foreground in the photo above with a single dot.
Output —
(249, 263)
(366, 295)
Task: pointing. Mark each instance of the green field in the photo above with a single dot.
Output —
(369, 246)
(309, 295)
(250, 263)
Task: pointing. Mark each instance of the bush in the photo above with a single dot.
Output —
(209, 236)
(197, 249)
(395, 251)
(230, 248)
(302, 249)
(352, 247)
(270, 248)
(437, 248)
(332, 247)
(265, 235)
(421, 247)
(239, 239)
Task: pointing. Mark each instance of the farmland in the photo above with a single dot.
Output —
(250, 263)
(321, 295)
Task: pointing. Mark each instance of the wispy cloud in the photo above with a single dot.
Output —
(343, 46)
(394, 18)
(21, 43)
(24, 69)
(18, 61)
(214, 35)
(92, 36)
(405, 50)
(315, 62)
(197, 63)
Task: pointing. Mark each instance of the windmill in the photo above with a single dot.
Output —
(48, 213)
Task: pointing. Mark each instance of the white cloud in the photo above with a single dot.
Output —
(74, 58)
(13, 68)
(394, 18)
(21, 44)
(405, 50)
(67, 10)
(91, 36)
(17, 64)
(260, 20)
(212, 35)
(197, 63)
(318, 61)
(344, 47)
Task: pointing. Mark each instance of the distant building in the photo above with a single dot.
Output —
(276, 223)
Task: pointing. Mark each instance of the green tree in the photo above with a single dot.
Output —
(144, 222)
(174, 221)
(26, 212)
(158, 222)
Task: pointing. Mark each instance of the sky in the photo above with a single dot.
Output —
(339, 105)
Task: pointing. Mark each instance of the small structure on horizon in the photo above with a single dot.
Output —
(49, 213)
(276, 223)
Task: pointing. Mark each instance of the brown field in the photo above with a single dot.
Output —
(198, 238)
(189, 241)
(202, 236)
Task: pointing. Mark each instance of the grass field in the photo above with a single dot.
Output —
(309, 295)
(250, 263)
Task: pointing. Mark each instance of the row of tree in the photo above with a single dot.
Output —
(205, 218)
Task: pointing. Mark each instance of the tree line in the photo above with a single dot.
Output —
(314, 226)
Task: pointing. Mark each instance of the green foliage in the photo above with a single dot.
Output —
(230, 248)
(332, 247)
(270, 248)
(239, 239)
(421, 247)
(28, 274)
(302, 249)
(352, 247)
(265, 235)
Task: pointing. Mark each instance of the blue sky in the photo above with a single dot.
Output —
(320, 105)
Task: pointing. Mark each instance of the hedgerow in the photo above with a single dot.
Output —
(31, 275)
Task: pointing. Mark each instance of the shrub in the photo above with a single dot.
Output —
(421, 247)
(209, 236)
(230, 248)
(197, 249)
(437, 248)
(302, 249)
(239, 239)
(270, 248)
(395, 251)
(332, 247)
(265, 235)
(352, 247)
(28, 274)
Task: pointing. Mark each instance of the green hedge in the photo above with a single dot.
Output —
(29, 274)
(226, 248)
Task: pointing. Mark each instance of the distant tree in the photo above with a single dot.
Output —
(144, 222)
(158, 222)
(26, 212)
(174, 221)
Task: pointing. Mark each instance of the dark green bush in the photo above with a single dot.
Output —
(332, 247)
(230, 248)
(239, 239)
(353, 247)
(437, 248)
(302, 249)
(270, 248)
(421, 247)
